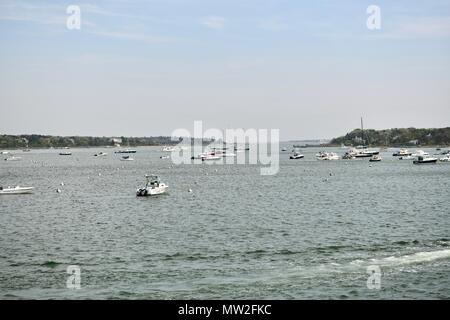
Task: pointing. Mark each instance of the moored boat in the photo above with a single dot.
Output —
(402, 153)
(425, 160)
(126, 158)
(16, 190)
(296, 156)
(126, 151)
(153, 187)
(375, 158)
(100, 154)
(13, 158)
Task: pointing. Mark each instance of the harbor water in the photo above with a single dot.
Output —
(309, 232)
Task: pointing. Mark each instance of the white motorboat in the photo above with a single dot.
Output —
(13, 158)
(4, 152)
(327, 156)
(153, 187)
(168, 149)
(425, 160)
(100, 154)
(445, 159)
(126, 151)
(402, 153)
(164, 157)
(126, 158)
(284, 149)
(297, 156)
(409, 157)
(362, 152)
(420, 153)
(375, 158)
(16, 190)
(211, 157)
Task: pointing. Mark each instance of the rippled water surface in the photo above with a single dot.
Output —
(310, 231)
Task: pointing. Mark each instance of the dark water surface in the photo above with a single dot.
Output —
(309, 232)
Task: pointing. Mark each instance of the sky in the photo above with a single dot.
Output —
(145, 68)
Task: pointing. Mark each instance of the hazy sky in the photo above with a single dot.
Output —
(141, 68)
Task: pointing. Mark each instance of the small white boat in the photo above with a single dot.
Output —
(65, 153)
(168, 149)
(126, 158)
(297, 156)
(420, 153)
(4, 152)
(425, 160)
(375, 158)
(153, 187)
(402, 153)
(16, 190)
(126, 151)
(13, 158)
(100, 154)
(284, 149)
(327, 156)
(211, 157)
(445, 159)
(164, 157)
(406, 158)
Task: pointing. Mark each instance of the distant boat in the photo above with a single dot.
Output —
(13, 158)
(16, 190)
(327, 156)
(401, 153)
(362, 151)
(211, 157)
(126, 158)
(26, 150)
(425, 160)
(153, 187)
(297, 156)
(375, 158)
(408, 157)
(100, 154)
(420, 153)
(445, 159)
(4, 152)
(168, 149)
(65, 153)
(283, 149)
(164, 157)
(126, 151)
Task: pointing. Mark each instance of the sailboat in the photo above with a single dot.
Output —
(362, 151)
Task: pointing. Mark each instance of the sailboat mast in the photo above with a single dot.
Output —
(362, 131)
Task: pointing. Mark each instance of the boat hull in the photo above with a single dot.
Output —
(146, 192)
(17, 190)
(425, 161)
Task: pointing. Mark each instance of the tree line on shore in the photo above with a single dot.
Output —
(396, 137)
(47, 141)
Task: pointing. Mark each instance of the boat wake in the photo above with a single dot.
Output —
(419, 257)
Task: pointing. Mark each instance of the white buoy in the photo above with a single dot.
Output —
(62, 183)
(189, 190)
(58, 190)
